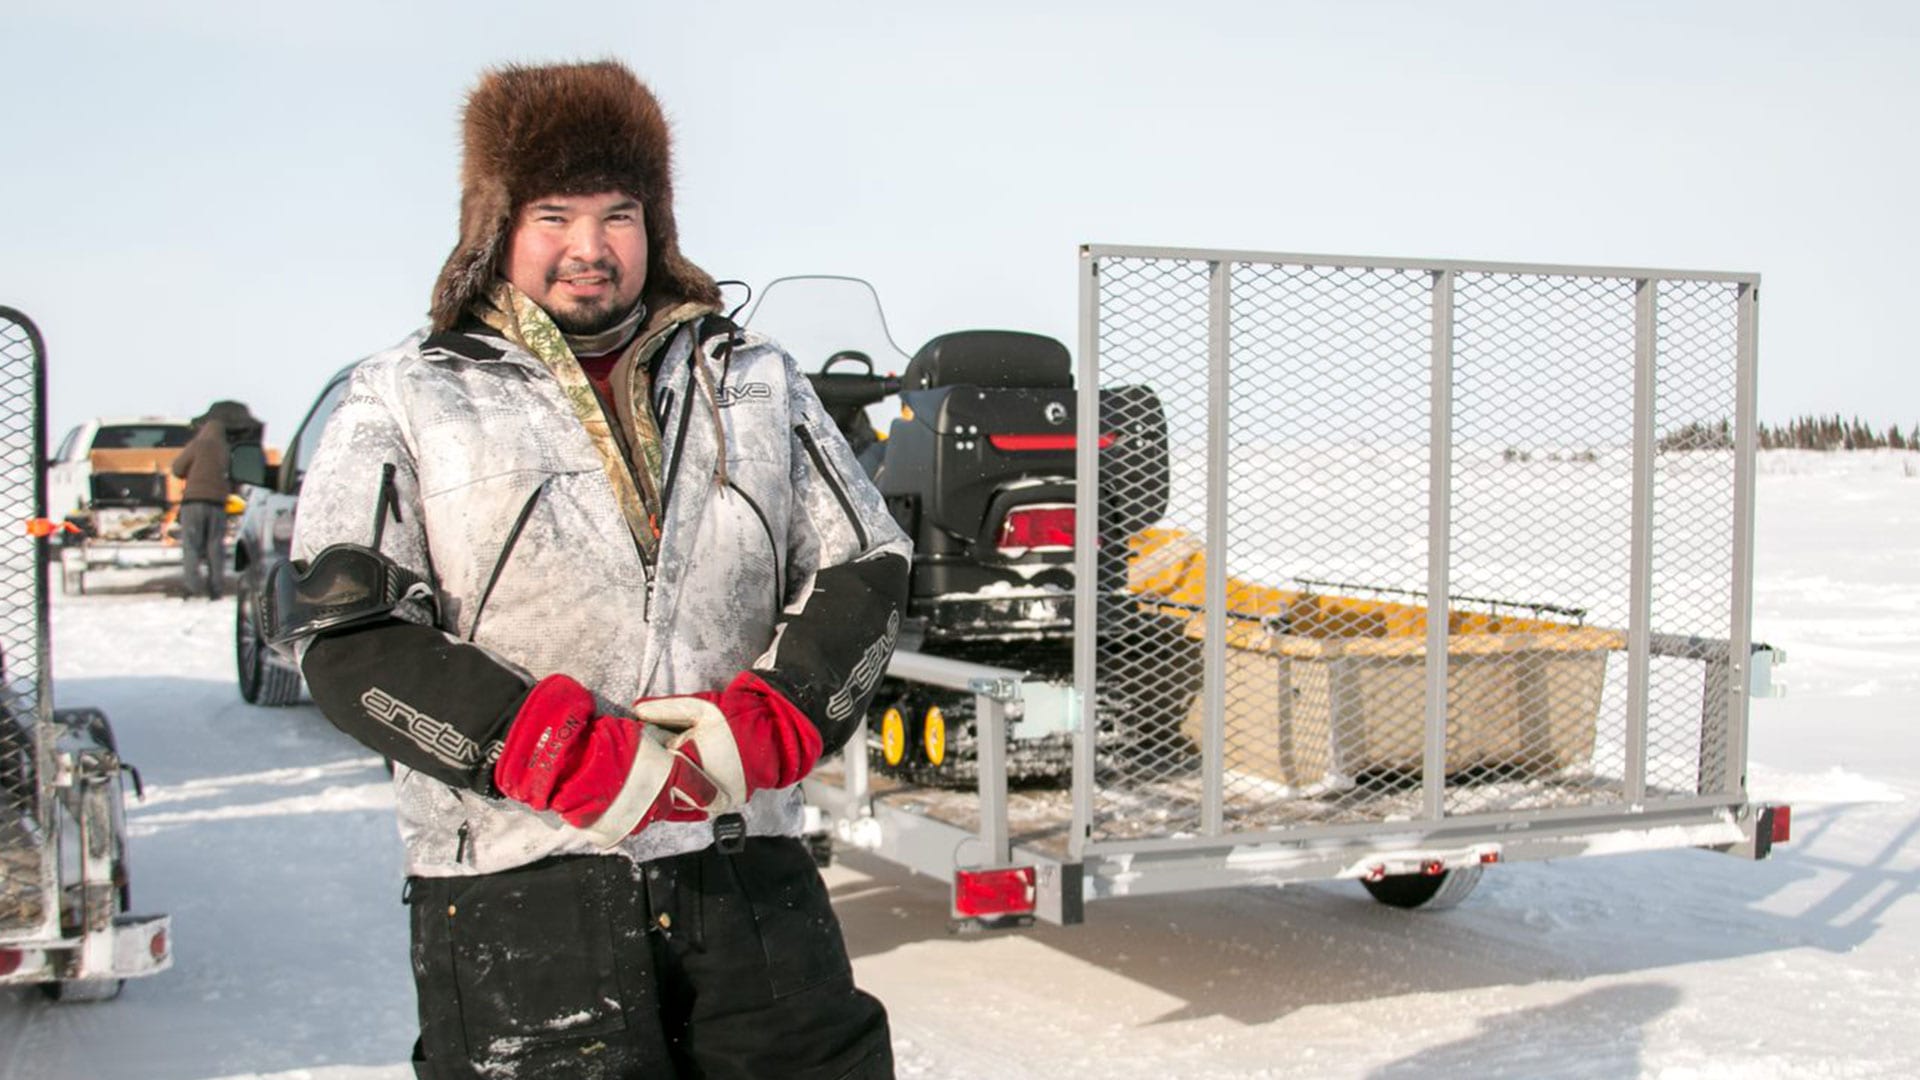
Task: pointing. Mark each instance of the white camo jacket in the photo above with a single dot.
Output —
(500, 494)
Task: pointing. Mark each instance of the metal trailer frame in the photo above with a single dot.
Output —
(62, 822)
(1064, 867)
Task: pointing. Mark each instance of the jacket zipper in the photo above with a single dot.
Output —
(499, 564)
(679, 445)
(834, 483)
(779, 571)
(387, 503)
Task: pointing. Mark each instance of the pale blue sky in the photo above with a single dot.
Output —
(233, 199)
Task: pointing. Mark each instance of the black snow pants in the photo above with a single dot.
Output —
(596, 968)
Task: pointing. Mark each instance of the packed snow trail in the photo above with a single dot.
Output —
(269, 838)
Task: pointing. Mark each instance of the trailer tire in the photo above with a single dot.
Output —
(262, 682)
(1426, 892)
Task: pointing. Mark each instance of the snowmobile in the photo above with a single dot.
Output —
(977, 467)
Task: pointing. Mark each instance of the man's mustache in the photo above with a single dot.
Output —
(604, 267)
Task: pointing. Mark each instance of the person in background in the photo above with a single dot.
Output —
(204, 463)
(593, 566)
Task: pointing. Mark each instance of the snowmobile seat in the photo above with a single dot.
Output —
(990, 359)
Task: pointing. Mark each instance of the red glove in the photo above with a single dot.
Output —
(606, 774)
(776, 744)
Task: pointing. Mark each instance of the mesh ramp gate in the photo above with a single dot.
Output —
(27, 883)
(1446, 541)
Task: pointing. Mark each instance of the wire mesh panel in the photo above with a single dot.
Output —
(1542, 491)
(1696, 397)
(1153, 317)
(26, 861)
(1420, 552)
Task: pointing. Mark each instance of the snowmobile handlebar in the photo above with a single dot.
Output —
(845, 393)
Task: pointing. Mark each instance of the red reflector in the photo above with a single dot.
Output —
(1782, 818)
(157, 946)
(1018, 443)
(986, 893)
(1042, 525)
(10, 960)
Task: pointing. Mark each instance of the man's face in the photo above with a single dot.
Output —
(583, 258)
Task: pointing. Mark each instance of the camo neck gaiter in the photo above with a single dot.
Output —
(637, 489)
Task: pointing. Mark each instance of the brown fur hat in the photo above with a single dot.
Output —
(564, 129)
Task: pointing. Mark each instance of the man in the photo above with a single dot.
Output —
(593, 567)
(203, 463)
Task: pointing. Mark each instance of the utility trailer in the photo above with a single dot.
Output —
(65, 893)
(1464, 551)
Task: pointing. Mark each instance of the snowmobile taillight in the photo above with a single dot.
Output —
(1036, 527)
(10, 960)
(985, 894)
(1025, 443)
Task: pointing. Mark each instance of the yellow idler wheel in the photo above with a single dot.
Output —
(933, 735)
(893, 736)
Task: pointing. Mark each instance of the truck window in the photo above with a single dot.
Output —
(65, 453)
(141, 436)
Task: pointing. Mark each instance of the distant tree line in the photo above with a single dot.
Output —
(1802, 433)
(1833, 433)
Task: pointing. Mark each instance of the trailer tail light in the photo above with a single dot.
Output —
(10, 960)
(1015, 444)
(987, 894)
(1036, 527)
(1781, 824)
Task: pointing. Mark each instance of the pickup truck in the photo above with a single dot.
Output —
(111, 482)
(110, 476)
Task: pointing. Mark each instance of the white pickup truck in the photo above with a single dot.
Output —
(110, 475)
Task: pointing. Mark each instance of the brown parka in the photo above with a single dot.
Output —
(204, 464)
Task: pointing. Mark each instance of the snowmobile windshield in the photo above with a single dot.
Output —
(819, 316)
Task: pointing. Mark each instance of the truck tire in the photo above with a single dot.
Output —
(262, 682)
(1427, 892)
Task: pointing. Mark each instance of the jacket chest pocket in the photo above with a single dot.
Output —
(529, 540)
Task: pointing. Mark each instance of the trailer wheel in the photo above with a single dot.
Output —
(1428, 892)
(262, 682)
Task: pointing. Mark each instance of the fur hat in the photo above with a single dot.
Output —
(564, 129)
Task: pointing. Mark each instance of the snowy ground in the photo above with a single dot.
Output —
(269, 839)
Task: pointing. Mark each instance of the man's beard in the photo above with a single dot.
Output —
(589, 317)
